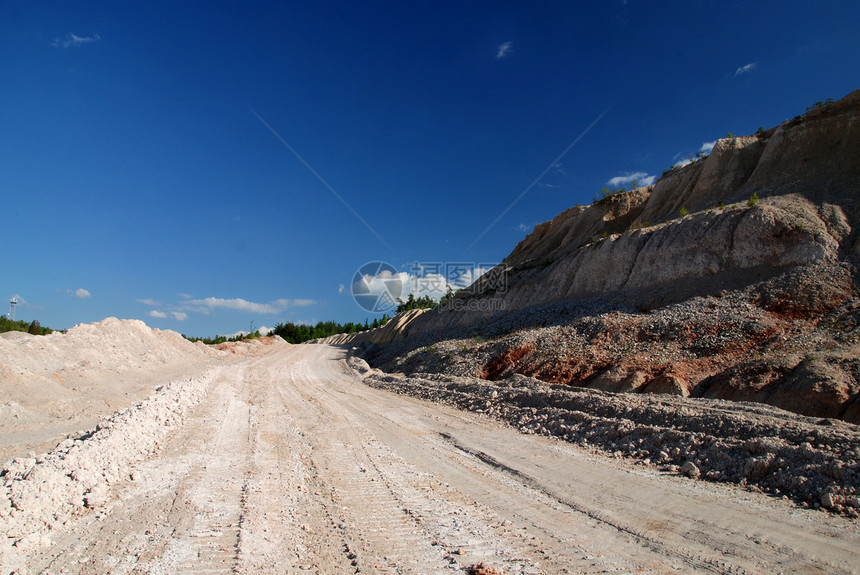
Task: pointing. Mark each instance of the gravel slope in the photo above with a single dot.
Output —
(757, 344)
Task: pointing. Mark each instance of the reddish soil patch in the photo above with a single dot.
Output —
(504, 363)
(573, 371)
(483, 569)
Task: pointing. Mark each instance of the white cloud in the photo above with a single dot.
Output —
(398, 286)
(504, 50)
(74, 41)
(341, 288)
(235, 303)
(524, 228)
(81, 293)
(707, 147)
(385, 286)
(746, 68)
(641, 179)
(205, 305)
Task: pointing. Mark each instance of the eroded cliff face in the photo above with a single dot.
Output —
(805, 175)
(768, 235)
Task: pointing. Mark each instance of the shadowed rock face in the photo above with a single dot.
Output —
(769, 237)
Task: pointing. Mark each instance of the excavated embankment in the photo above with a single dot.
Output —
(747, 293)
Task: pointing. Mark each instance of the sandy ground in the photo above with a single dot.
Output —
(283, 461)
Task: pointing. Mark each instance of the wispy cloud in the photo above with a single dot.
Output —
(641, 179)
(524, 228)
(211, 303)
(177, 315)
(74, 41)
(79, 293)
(504, 50)
(179, 311)
(746, 68)
(707, 147)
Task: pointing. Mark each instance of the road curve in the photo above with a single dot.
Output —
(292, 465)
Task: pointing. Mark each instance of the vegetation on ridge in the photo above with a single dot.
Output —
(33, 327)
(299, 332)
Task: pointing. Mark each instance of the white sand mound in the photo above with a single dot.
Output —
(111, 345)
(57, 384)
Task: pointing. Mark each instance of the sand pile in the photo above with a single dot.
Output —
(38, 493)
(54, 385)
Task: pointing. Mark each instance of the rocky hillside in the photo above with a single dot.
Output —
(733, 277)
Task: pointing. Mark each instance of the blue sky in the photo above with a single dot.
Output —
(202, 166)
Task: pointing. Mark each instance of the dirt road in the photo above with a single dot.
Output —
(291, 465)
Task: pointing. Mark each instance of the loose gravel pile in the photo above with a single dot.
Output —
(40, 493)
(813, 461)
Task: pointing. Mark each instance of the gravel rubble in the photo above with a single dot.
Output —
(816, 462)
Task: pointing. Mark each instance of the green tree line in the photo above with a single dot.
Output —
(424, 302)
(298, 333)
(32, 327)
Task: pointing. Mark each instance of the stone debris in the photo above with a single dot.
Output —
(816, 462)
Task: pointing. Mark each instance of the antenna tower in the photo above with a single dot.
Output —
(12, 303)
